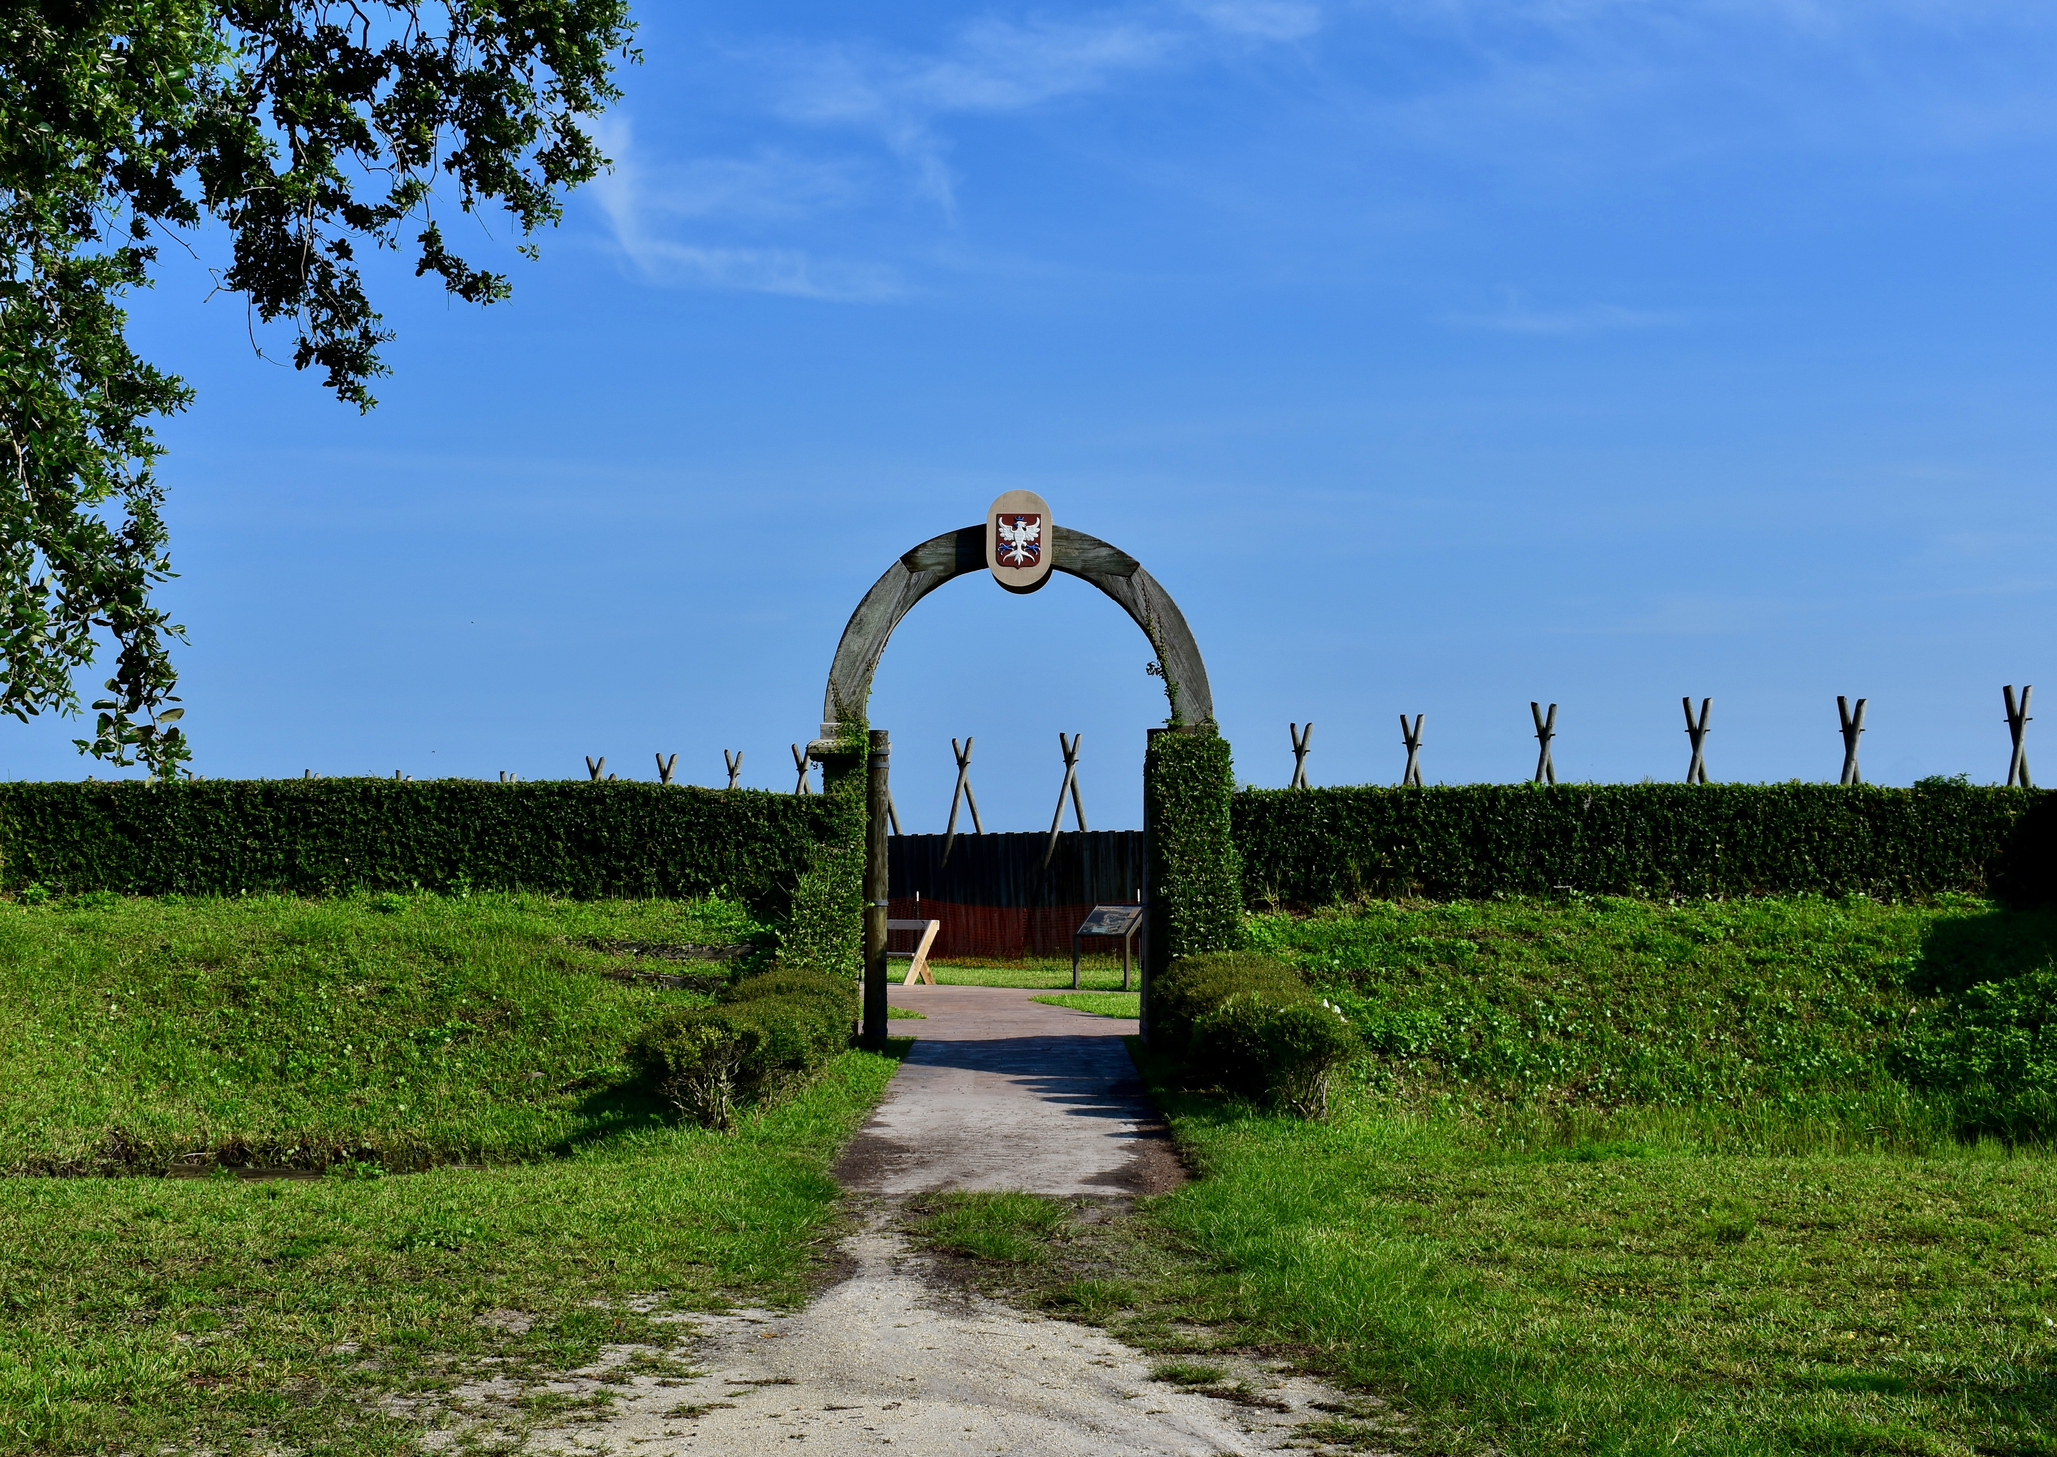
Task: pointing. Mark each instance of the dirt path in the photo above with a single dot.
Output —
(999, 1093)
(1002, 1092)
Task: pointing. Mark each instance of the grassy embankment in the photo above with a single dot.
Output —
(1621, 1178)
(149, 1314)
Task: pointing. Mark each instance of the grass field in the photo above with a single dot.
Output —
(1622, 1178)
(1096, 973)
(226, 1315)
(397, 1030)
(223, 1314)
(1102, 1004)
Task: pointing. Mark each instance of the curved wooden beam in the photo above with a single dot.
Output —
(955, 553)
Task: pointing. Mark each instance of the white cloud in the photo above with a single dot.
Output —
(995, 66)
(644, 206)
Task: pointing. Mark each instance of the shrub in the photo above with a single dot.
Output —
(1325, 846)
(319, 836)
(1254, 1026)
(762, 1036)
(1196, 881)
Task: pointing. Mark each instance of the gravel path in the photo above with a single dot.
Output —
(999, 1093)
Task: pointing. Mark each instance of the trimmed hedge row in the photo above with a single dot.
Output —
(219, 837)
(1251, 1024)
(1196, 897)
(762, 1034)
(1322, 846)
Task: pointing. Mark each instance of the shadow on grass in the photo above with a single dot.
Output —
(1998, 946)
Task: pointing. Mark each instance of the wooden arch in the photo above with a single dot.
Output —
(955, 553)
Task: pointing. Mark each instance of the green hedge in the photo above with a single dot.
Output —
(1321, 846)
(764, 1034)
(1252, 1025)
(1196, 899)
(220, 837)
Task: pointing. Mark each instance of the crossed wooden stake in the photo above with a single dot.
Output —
(1546, 730)
(963, 791)
(735, 763)
(1853, 726)
(1411, 737)
(1300, 743)
(664, 768)
(2017, 725)
(506, 778)
(1696, 772)
(1069, 786)
(800, 763)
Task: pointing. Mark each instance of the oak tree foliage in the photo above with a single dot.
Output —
(310, 130)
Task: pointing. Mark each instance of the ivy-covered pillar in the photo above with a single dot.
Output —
(826, 930)
(1195, 889)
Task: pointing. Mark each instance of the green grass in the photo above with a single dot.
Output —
(1008, 1227)
(1758, 1026)
(1632, 1177)
(1102, 973)
(220, 1314)
(1104, 1004)
(905, 1012)
(1618, 1178)
(400, 1030)
(1581, 1301)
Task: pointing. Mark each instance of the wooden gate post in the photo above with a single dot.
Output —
(878, 797)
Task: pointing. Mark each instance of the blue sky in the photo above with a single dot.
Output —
(1436, 356)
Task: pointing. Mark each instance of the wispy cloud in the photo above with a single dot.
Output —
(994, 66)
(1518, 318)
(646, 207)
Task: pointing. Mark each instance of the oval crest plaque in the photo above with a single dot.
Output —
(1019, 540)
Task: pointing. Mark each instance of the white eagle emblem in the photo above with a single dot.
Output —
(1021, 539)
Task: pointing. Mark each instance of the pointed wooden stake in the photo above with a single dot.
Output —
(1300, 745)
(1411, 737)
(2017, 727)
(1070, 786)
(1546, 730)
(963, 792)
(1696, 772)
(1853, 727)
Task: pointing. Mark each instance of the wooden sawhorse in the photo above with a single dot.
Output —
(920, 954)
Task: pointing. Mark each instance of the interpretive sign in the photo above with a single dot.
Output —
(1119, 921)
(1019, 540)
(1111, 921)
